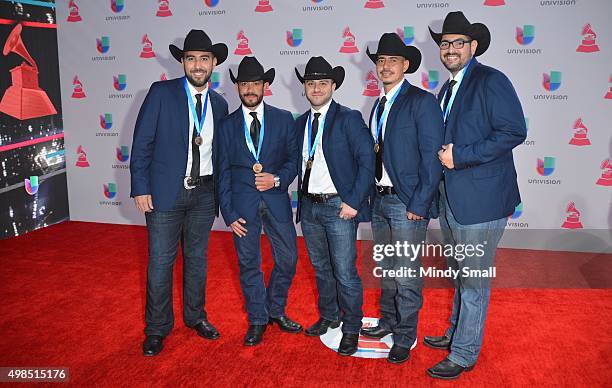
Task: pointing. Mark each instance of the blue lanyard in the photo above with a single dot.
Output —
(383, 117)
(249, 141)
(194, 114)
(312, 149)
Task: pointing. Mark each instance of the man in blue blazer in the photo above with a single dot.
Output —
(173, 183)
(484, 122)
(257, 162)
(335, 175)
(406, 125)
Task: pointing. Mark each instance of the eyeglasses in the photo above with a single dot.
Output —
(458, 44)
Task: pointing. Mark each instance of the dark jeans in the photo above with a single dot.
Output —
(472, 294)
(262, 303)
(190, 221)
(401, 298)
(332, 248)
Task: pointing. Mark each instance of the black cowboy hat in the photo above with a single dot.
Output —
(457, 23)
(319, 68)
(391, 44)
(250, 69)
(197, 40)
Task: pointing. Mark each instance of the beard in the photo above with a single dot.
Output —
(197, 83)
(250, 104)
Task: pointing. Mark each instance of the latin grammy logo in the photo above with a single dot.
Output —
(24, 99)
(348, 47)
(588, 44)
(81, 157)
(243, 44)
(374, 4)
(580, 135)
(606, 174)
(73, 16)
(608, 95)
(572, 221)
(164, 9)
(267, 91)
(371, 89)
(77, 88)
(263, 6)
(147, 48)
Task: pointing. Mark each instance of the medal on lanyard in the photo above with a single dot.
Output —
(257, 167)
(312, 149)
(199, 125)
(382, 118)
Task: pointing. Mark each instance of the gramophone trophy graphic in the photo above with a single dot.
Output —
(572, 220)
(580, 137)
(606, 173)
(588, 44)
(371, 89)
(24, 99)
(348, 47)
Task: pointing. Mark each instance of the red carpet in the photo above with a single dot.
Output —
(73, 295)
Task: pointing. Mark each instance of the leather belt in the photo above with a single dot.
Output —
(191, 182)
(320, 198)
(385, 190)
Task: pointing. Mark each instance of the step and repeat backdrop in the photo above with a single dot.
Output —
(556, 52)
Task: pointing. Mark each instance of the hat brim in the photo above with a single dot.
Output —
(337, 76)
(268, 77)
(219, 50)
(411, 53)
(477, 31)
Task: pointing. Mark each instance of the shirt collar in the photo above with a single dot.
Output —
(393, 90)
(323, 110)
(459, 77)
(247, 112)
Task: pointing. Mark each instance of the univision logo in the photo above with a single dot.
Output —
(546, 166)
(212, 12)
(31, 185)
(552, 81)
(106, 121)
(407, 34)
(117, 5)
(294, 37)
(110, 190)
(103, 44)
(525, 35)
(123, 153)
(518, 211)
(211, 3)
(429, 80)
(119, 82)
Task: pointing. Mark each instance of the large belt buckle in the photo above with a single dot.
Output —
(186, 183)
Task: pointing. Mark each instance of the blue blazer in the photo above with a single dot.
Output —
(349, 154)
(413, 137)
(238, 195)
(161, 142)
(485, 123)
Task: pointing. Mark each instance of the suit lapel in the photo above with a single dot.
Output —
(394, 108)
(239, 123)
(328, 126)
(458, 101)
(182, 110)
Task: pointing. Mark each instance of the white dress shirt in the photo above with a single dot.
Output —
(206, 165)
(320, 181)
(458, 78)
(248, 119)
(385, 180)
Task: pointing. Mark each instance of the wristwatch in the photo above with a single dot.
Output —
(276, 181)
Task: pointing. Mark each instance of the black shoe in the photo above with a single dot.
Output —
(447, 370)
(152, 345)
(321, 327)
(254, 335)
(286, 324)
(348, 344)
(374, 332)
(206, 330)
(398, 354)
(442, 342)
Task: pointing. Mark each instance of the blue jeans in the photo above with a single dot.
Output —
(262, 303)
(471, 300)
(190, 221)
(401, 298)
(332, 247)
